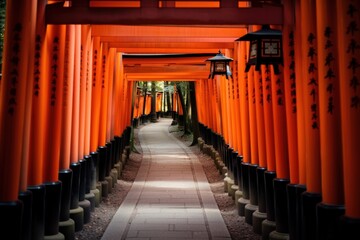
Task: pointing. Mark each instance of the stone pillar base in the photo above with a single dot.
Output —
(274, 235)
(267, 228)
(77, 214)
(249, 210)
(258, 218)
(58, 236)
(85, 204)
(67, 228)
(242, 202)
(97, 194)
(91, 198)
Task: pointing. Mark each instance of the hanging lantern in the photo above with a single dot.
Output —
(265, 48)
(219, 65)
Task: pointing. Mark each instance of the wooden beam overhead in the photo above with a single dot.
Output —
(167, 50)
(176, 76)
(151, 15)
(142, 39)
(171, 46)
(169, 33)
(165, 69)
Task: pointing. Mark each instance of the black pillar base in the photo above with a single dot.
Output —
(328, 221)
(38, 213)
(292, 213)
(11, 219)
(65, 176)
(27, 199)
(350, 227)
(300, 189)
(309, 203)
(52, 207)
(269, 188)
(281, 210)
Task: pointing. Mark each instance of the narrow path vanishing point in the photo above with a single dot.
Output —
(170, 197)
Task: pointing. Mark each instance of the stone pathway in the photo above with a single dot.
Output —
(170, 197)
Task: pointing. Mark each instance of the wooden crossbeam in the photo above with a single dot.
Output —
(151, 15)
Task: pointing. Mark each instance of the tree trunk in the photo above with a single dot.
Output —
(153, 102)
(168, 99)
(194, 115)
(182, 102)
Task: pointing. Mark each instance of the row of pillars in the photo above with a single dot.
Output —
(64, 115)
(274, 207)
(289, 140)
(56, 210)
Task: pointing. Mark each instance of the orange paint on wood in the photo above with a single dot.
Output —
(252, 118)
(118, 93)
(75, 153)
(259, 118)
(12, 95)
(349, 57)
(280, 130)
(88, 92)
(236, 95)
(290, 101)
(96, 94)
(55, 38)
(268, 120)
(104, 85)
(38, 107)
(84, 87)
(111, 99)
(68, 94)
(231, 108)
(300, 107)
(244, 102)
(310, 91)
(329, 104)
(223, 102)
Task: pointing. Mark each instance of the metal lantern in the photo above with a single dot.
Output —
(219, 65)
(265, 48)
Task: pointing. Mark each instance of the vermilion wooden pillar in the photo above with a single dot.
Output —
(332, 205)
(67, 102)
(348, 20)
(65, 173)
(13, 92)
(36, 145)
(244, 102)
(104, 85)
(236, 95)
(310, 82)
(75, 152)
(300, 187)
(88, 93)
(55, 72)
(245, 200)
(110, 107)
(291, 123)
(237, 126)
(117, 95)
(96, 93)
(84, 72)
(281, 154)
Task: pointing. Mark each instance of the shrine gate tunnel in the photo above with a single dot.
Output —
(288, 139)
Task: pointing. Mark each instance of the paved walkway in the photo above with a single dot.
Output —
(171, 197)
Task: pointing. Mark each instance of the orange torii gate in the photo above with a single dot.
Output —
(66, 102)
